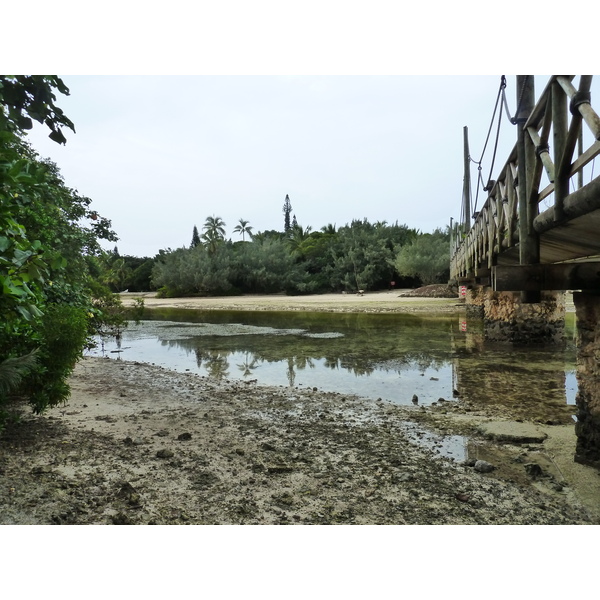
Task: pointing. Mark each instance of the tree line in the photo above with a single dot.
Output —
(296, 260)
(357, 256)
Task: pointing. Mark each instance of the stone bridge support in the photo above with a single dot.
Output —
(507, 319)
(587, 307)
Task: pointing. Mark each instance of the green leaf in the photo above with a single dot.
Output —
(21, 257)
(24, 313)
(25, 122)
(59, 263)
(58, 137)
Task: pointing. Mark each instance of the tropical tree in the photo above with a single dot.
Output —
(214, 232)
(287, 211)
(200, 270)
(243, 228)
(426, 257)
(265, 268)
(297, 235)
(48, 232)
(195, 238)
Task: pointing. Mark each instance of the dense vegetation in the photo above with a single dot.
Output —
(50, 300)
(357, 256)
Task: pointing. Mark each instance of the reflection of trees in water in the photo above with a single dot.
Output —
(332, 363)
(291, 373)
(214, 361)
(250, 363)
(298, 363)
(368, 344)
(412, 360)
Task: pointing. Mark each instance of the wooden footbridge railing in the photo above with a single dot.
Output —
(511, 244)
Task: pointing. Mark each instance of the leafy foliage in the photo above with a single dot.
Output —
(48, 233)
(243, 228)
(356, 256)
(214, 233)
(27, 97)
(427, 258)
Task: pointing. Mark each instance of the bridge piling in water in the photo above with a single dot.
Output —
(506, 318)
(587, 307)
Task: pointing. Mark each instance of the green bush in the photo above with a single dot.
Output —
(62, 335)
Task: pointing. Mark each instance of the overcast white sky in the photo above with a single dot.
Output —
(223, 110)
(158, 155)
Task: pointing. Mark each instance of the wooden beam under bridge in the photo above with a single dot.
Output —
(565, 276)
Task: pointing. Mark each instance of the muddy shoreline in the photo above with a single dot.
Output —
(139, 444)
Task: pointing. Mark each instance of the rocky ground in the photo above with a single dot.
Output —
(138, 444)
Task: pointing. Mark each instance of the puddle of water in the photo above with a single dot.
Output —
(450, 446)
(387, 356)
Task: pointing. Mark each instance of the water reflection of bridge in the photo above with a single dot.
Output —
(525, 383)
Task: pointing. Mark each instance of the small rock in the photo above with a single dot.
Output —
(533, 470)
(130, 494)
(121, 519)
(482, 466)
(165, 453)
(184, 437)
(462, 497)
(415, 399)
(279, 468)
(162, 433)
(41, 470)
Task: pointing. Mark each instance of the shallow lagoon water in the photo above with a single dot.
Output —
(387, 356)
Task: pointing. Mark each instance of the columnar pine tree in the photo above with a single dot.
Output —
(287, 211)
(195, 238)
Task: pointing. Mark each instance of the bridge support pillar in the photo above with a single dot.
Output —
(474, 301)
(507, 319)
(587, 307)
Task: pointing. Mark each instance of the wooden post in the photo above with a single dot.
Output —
(559, 127)
(467, 183)
(529, 252)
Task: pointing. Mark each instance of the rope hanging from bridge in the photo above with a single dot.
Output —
(514, 120)
(478, 162)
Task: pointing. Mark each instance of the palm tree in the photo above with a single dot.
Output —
(12, 371)
(297, 235)
(214, 232)
(329, 229)
(243, 228)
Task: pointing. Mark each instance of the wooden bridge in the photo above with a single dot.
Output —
(516, 260)
(512, 245)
